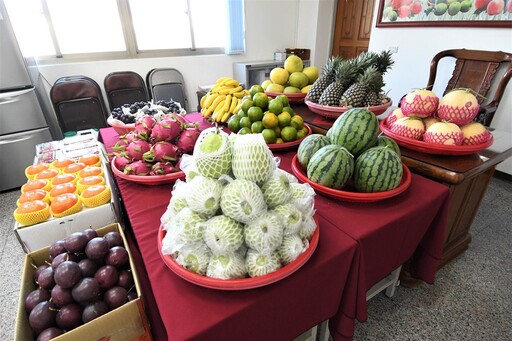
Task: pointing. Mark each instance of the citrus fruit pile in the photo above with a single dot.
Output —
(61, 188)
(293, 78)
(271, 117)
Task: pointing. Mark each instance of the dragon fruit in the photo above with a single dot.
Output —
(136, 149)
(162, 151)
(124, 141)
(166, 130)
(144, 125)
(120, 162)
(138, 167)
(187, 139)
(163, 168)
(177, 117)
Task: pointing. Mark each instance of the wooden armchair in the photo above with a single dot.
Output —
(477, 70)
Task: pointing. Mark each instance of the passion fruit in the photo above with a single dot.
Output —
(37, 194)
(83, 183)
(89, 171)
(74, 168)
(90, 160)
(32, 170)
(64, 178)
(32, 212)
(95, 195)
(36, 184)
(65, 204)
(64, 188)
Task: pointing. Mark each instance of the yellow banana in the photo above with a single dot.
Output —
(216, 102)
(232, 82)
(209, 100)
(225, 117)
(203, 99)
(224, 90)
(227, 103)
(219, 106)
(222, 79)
(206, 112)
(239, 94)
(235, 89)
(219, 114)
(234, 103)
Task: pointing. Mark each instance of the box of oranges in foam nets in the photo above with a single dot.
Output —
(61, 197)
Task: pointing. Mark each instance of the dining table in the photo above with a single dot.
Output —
(359, 244)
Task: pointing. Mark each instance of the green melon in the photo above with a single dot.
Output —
(378, 169)
(357, 130)
(384, 141)
(309, 146)
(331, 166)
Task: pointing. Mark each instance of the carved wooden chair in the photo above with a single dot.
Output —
(486, 72)
(124, 87)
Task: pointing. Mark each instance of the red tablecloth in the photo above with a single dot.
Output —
(362, 241)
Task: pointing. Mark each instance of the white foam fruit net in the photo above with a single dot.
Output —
(252, 159)
(213, 163)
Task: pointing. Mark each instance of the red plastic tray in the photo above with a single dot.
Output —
(349, 195)
(239, 284)
(148, 179)
(335, 112)
(430, 148)
(288, 145)
(292, 98)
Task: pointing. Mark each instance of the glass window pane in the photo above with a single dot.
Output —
(87, 26)
(209, 22)
(160, 24)
(30, 27)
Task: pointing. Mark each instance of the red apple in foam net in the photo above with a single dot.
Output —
(475, 133)
(420, 103)
(411, 127)
(428, 121)
(446, 133)
(459, 106)
(394, 115)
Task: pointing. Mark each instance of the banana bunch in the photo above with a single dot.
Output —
(223, 99)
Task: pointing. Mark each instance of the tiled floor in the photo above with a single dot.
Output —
(471, 299)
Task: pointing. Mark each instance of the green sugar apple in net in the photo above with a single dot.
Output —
(303, 197)
(242, 200)
(259, 264)
(177, 202)
(291, 178)
(265, 233)
(308, 227)
(190, 225)
(212, 153)
(252, 159)
(276, 190)
(291, 248)
(291, 218)
(203, 195)
(194, 257)
(229, 265)
(223, 234)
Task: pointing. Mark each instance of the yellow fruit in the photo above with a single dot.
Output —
(274, 87)
(312, 73)
(32, 212)
(291, 90)
(270, 120)
(279, 140)
(266, 83)
(305, 89)
(293, 64)
(302, 133)
(279, 75)
(289, 134)
(297, 122)
(298, 80)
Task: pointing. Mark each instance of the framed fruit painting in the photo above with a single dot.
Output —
(461, 13)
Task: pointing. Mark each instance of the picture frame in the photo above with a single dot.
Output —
(445, 13)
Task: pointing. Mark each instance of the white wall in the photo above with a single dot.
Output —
(417, 46)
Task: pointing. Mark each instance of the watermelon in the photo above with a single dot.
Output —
(309, 146)
(357, 130)
(331, 166)
(384, 141)
(378, 169)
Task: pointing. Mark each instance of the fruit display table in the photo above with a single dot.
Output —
(467, 177)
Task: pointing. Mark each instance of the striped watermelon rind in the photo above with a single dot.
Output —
(309, 146)
(331, 166)
(384, 141)
(378, 169)
(357, 130)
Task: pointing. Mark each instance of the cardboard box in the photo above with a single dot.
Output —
(128, 322)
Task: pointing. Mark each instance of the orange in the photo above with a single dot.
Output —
(90, 170)
(33, 170)
(270, 120)
(64, 188)
(83, 183)
(269, 135)
(95, 195)
(74, 168)
(284, 119)
(257, 127)
(65, 204)
(63, 178)
(297, 122)
(260, 99)
(275, 106)
(61, 164)
(289, 134)
(37, 194)
(32, 212)
(255, 114)
(47, 174)
(36, 184)
(90, 160)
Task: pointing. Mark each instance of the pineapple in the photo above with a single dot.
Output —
(326, 78)
(345, 75)
(384, 61)
(356, 95)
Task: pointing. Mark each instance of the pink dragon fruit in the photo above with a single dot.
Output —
(136, 149)
(138, 167)
(177, 117)
(187, 139)
(120, 162)
(163, 168)
(144, 125)
(166, 130)
(162, 151)
(124, 141)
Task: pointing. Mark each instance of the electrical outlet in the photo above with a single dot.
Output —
(393, 49)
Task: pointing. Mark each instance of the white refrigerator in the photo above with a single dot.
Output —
(22, 122)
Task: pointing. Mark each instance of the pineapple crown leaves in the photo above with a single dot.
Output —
(332, 63)
(372, 79)
(384, 61)
(346, 73)
(364, 60)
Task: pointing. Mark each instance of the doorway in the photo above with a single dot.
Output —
(353, 27)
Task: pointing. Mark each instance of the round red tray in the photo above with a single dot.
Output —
(335, 112)
(429, 148)
(239, 284)
(148, 179)
(120, 128)
(288, 145)
(292, 98)
(349, 195)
